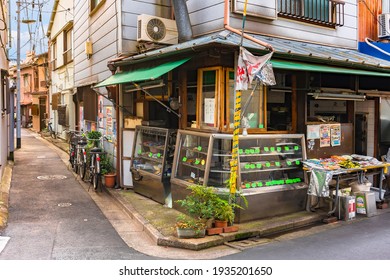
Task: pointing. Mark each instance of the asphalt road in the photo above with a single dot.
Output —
(51, 216)
(367, 239)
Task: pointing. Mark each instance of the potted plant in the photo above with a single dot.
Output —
(199, 203)
(108, 172)
(189, 227)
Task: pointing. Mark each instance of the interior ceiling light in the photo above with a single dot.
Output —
(339, 96)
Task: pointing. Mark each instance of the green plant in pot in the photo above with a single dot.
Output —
(93, 138)
(108, 171)
(199, 203)
(189, 227)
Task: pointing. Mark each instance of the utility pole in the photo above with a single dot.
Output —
(18, 120)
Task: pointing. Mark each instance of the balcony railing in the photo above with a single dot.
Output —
(321, 12)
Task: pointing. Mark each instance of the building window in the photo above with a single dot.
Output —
(95, 4)
(321, 12)
(54, 55)
(36, 79)
(5, 94)
(68, 53)
(209, 87)
(26, 83)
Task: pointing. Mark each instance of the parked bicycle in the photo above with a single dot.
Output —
(95, 155)
(51, 130)
(77, 154)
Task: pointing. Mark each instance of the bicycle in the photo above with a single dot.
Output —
(81, 156)
(94, 164)
(73, 140)
(51, 130)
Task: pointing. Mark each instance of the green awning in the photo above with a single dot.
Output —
(301, 66)
(141, 74)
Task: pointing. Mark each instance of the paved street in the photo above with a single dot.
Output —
(52, 216)
(366, 239)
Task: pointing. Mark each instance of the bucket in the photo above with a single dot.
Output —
(376, 192)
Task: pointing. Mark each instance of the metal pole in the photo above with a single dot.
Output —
(18, 129)
(11, 126)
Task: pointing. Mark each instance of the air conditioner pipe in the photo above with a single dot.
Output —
(246, 36)
(182, 20)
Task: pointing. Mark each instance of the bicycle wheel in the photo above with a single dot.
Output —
(95, 181)
(82, 168)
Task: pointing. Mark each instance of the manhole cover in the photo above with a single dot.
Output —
(51, 177)
(248, 243)
(64, 204)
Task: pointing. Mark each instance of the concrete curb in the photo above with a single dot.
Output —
(4, 195)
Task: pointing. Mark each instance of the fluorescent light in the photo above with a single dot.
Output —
(145, 85)
(338, 96)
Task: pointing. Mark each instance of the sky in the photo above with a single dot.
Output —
(32, 35)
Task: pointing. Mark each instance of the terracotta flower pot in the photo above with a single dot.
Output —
(220, 224)
(109, 180)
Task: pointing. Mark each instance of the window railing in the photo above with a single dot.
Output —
(321, 12)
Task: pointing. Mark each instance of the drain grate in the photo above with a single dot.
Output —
(249, 243)
(64, 204)
(52, 177)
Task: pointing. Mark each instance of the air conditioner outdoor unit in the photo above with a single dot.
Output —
(157, 29)
(384, 26)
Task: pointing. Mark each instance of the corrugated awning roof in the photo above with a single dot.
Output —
(293, 50)
(142, 74)
(302, 66)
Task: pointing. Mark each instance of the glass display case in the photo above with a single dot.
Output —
(270, 173)
(152, 162)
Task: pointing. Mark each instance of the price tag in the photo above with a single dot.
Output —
(288, 163)
(279, 149)
(257, 150)
(203, 162)
(199, 148)
(267, 164)
(266, 149)
(259, 184)
(192, 175)
(254, 185)
(296, 148)
(277, 163)
(272, 149)
(259, 165)
(158, 155)
(150, 154)
(197, 161)
(184, 159)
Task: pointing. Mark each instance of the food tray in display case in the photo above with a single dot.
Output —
(270, 169)
(152, 161)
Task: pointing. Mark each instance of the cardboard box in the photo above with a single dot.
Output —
(132, 122)
(365, 203)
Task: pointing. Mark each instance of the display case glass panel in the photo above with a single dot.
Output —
(191, 157)
(153, 151)
(271, 160)
(265, 161)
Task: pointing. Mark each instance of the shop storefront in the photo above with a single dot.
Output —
(183, 96)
